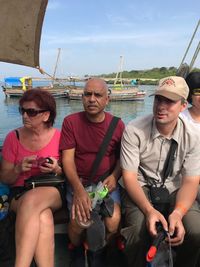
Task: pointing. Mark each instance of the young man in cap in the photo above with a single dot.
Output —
(157, 187)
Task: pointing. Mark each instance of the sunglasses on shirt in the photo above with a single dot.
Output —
(31, 112)
(196, 91)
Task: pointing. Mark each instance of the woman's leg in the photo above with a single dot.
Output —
(44, 253)
(29, 209)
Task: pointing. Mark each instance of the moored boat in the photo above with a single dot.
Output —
(130, 94)
(16, 86)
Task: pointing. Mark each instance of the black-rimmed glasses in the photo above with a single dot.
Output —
(31, 112)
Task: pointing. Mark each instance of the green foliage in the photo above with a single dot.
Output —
(155, 73)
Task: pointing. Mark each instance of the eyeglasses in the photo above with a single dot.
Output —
(31, 112)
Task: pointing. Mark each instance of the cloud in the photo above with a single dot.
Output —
(142, 39)
(119, 21)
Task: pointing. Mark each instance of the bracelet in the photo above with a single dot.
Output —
(181, 208)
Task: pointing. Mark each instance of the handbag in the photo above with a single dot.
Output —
(44, 179)
(159, 195)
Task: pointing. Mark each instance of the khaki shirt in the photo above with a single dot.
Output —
(143, 146)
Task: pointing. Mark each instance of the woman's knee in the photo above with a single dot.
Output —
(46, 218)
(47, 224)
(28, 201)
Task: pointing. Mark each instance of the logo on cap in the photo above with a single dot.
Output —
(169, 82)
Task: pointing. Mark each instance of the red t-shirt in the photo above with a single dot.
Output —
(86, 137)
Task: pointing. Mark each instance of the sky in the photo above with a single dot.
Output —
(93, 35)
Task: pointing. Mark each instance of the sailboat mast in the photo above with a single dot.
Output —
(119, 73)
(58, 56)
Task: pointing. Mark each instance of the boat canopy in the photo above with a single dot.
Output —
(21, 25)
(13, 81)
(134, 82)
(24, 82)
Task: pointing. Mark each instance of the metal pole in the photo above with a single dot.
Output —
(119, 73)
(54, 74)
(195, 56)
(121, 70)
(190, 42)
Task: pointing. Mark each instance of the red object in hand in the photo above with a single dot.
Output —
(161, 235)
(151, 254)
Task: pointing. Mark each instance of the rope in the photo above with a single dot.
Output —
(45, 73)
(190, 43)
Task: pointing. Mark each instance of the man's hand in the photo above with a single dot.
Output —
(152, 217)
(81, 206)
(110, 182)
(176, 228)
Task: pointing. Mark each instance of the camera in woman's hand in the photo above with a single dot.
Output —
(41, 161)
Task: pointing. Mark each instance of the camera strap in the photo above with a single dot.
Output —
(103, 147)
(168, 165)
(169, 162)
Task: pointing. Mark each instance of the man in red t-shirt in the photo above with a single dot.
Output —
(81, 137)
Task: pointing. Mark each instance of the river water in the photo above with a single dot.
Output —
(11, 119)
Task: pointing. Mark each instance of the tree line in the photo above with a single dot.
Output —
(149, 76)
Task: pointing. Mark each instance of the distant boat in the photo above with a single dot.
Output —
(125, 92)
(119, 91)
(16, 86)
(128, 94)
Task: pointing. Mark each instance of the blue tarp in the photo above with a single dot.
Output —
(13, 81)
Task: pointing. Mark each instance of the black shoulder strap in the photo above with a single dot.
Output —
(103, 146)
(17, 134)
(169, 162)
